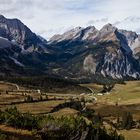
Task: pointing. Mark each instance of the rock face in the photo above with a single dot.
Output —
(109, 52)
(17, 44)
(14, 30)
(81, 53)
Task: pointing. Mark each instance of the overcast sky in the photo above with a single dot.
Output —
(49, 17)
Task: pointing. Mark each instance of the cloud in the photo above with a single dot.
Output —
(129, 23)
(132, 19)
(97, 22)
(49, 17)
(138, 30)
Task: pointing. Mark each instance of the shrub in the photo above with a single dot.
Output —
(127, 120)
(29, 98)
(74, 128)
(13, 117)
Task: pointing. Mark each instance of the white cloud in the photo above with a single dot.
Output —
(49, 17)
(129, 23)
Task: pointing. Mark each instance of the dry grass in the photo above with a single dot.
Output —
(17, 134)
(133, 134)
(68, 112)
(14, 130)
(128, 97)
(124, 94)
(8, 99)
(35, 108)
(114, 111)
(127, 94)
(6, 86)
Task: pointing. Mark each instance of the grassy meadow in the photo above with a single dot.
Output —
(123, 97)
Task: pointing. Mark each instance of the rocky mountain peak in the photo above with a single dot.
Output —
(90, 33)
(76, 29)
(69, 35)
(2, 17)
(14, 29)
(108, 33)
(73, 33)
(130, 36)
(91, 28)
(108, 28)
(87, 33)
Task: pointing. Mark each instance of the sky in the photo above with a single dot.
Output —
(49, 17)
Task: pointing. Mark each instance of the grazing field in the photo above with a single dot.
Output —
(128, 93)
(8, 99)
(38, 107)
(122, 98)
(4, 86)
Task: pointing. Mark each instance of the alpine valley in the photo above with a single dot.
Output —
(81, 53)
(83, 84)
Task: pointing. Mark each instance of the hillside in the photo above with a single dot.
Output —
(47, 84)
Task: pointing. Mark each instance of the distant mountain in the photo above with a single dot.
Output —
(81, 53)
(19, 47)
(88, 51)
(15, 31)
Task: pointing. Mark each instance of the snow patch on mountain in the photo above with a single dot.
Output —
(16, 62)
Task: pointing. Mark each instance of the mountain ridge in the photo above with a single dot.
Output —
(80, 53)
(107, 35)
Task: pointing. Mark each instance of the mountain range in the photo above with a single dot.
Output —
(80, 53)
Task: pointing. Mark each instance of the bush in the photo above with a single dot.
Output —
(127, 120)
(49, 127)
(29, 98)
(3, 136)
(74, 128)
(13, 117)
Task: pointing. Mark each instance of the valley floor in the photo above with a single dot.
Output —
(124, 97)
